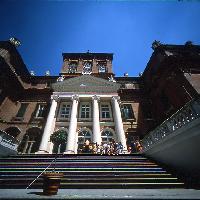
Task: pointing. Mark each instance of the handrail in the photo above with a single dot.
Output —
(188, 113)
(54, 160)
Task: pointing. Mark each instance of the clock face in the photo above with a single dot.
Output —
(87, 68)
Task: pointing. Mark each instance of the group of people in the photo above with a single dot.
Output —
(110, 148)
(134, 147)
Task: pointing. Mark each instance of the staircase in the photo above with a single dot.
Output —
(86, 171)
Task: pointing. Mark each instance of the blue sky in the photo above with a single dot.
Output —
(46, 29)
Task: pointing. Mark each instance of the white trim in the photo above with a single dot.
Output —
(83, 94)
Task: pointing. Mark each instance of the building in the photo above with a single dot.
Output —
(88, 102)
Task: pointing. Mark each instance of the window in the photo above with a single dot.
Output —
(22, 110)
(65, 111)
(85, 111)
(41, 108)
(72, 67)
(102, 67)
(105, 111)
(127, 111)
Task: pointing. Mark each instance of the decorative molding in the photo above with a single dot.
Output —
(75, 97)
(55, 97)
(116, 98)
(95, 97)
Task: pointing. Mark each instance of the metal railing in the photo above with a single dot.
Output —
(8, 141)
(188, 113)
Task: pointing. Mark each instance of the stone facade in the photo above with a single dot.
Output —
(32, 108)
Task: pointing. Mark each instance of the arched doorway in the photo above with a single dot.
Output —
(31, 141)
(61, 146)
(13, 131)
(83, 135)
(108, 135)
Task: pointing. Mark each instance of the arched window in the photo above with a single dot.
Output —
(107, 135)
(84, 134)
(31, 141)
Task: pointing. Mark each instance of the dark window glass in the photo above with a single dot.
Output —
(22, 110)
(41, 110)
(127, 111)
(85, 111)
(65, 111)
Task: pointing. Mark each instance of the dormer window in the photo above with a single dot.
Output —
(102, 67)
(72, 67)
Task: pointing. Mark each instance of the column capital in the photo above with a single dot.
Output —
(95, 97)
(116, 98)
(55, 97)
(75, 97)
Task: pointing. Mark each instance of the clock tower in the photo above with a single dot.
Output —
(96, 64)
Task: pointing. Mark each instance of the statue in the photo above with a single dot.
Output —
(111, 79)
(156, 44)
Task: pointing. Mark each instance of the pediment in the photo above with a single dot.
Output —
(86, 83)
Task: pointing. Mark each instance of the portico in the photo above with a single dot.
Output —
(95, 120)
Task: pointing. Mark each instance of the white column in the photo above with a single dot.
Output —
(71, 140)
(96, 124)
(118, 121)
(48, 130)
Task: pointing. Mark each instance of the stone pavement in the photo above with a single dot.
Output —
(102, 194)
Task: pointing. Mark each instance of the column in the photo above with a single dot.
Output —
(95, 120)
(118, 121)
(48, 130)
(71, 140)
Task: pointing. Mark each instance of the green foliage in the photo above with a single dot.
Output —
(59, 137)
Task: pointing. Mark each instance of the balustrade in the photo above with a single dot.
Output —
(182, 117)
(8, 141)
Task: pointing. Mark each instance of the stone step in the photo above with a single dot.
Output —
(86, 171)
(82, 174)
(102, 185)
